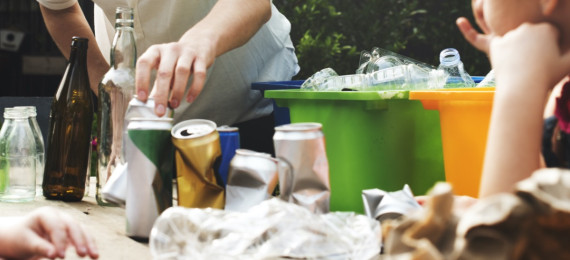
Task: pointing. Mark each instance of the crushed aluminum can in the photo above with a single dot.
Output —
(303, 165)
(382, 205)
(252, 179)
(197, 155)
(149, 175)
(229, 142)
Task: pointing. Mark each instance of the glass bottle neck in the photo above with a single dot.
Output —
(124, 52)
(78, 56)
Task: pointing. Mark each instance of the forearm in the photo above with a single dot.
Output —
(63, 25)
(514, 141)
(231, 23)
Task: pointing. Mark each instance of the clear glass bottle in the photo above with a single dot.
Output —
(450, 63)
(40, 148)
(17, 158)
(115, 92)
(69, 135)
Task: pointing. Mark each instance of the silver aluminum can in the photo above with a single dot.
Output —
(149, 154)
(137, 109)
(303, 165)
(251, 180)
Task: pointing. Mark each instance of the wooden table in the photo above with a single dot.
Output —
(105, 224)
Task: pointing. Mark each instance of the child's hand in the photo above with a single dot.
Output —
(532, 53)
(44, 232)
(478, 40)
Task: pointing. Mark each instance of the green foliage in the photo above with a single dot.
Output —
(332, 33)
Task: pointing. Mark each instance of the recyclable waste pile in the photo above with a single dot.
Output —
(385, 70)
(273, 229)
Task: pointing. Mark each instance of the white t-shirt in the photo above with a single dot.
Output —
(227, 97)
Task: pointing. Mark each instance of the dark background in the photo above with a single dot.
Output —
(25, 16)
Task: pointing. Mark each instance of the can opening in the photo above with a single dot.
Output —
(186, 133)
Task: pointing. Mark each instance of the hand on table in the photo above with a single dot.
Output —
(44, 232)
(175, 62)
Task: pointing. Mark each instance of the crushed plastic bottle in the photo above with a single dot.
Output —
(450, 63)
(488, 81)
(380, 59)
(316, 81)
(401, 77)
(406, 77)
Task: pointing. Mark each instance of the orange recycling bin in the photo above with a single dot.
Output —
(464, 117)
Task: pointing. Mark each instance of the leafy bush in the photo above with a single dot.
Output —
(332, 33)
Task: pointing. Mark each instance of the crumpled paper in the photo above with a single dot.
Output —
(531, 223)
(428, 233)
(274, 229)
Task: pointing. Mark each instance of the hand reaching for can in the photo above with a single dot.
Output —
(174, 62)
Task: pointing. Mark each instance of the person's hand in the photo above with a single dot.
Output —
(44, 232)
(530, 53)
(174, 63)
(478, 40)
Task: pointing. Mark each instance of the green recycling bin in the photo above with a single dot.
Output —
(374, 139)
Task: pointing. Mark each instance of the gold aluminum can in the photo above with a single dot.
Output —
(197, 145)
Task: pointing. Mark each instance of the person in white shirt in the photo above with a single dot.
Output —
(206, 54)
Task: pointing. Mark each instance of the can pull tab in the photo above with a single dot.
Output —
(285, 171)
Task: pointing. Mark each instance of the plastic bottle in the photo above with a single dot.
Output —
(450, 63)
(488, 81)
(401, 77)
(39, 141)
(115, 92)
(71, 116)
(17, 158)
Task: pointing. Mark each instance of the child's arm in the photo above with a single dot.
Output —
(527, 63)
(44, 232)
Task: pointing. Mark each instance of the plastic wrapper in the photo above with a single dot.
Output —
(273, 229)
(381, 205)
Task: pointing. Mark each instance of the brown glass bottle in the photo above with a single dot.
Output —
(69, 134)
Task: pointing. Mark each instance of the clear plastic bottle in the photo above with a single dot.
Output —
(40, 147)
(405, 77)
(115, 92)
(488, 81)
(450, 63)
(17, 158)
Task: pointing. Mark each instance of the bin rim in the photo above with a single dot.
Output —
(455, 94)
(338, 95)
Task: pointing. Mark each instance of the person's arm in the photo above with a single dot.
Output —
(230, 24)
(63, 25)
(525, 71)
(44, 232)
